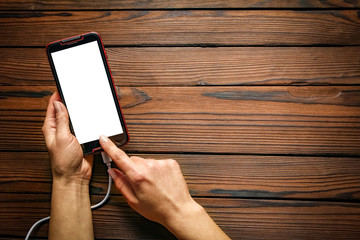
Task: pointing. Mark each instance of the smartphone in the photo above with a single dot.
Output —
(83, 79)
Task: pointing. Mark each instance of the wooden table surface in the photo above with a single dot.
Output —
(259, 101)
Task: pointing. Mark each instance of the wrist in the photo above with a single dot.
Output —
(70, 184)
(70, 209)
(194, 223)
(179, 221)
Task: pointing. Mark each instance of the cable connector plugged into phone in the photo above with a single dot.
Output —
(106, 159)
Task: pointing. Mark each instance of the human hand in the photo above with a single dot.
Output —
(67, 161)
(157, 190)
(154, 188)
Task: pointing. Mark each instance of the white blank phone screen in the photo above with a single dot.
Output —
(87, 93)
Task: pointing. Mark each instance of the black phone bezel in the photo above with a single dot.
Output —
(93, 146)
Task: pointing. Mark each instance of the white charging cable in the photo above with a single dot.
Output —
(107, 160)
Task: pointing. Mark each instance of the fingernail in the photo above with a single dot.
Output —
(57, 106)
(112, 173)
(103, 139)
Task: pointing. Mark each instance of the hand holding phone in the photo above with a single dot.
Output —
(67, 158)
(85, 85)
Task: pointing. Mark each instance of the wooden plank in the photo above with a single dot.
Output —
(240, 219)
(233, 176)
(210, 27)
(263, 120)
(170, 4)
(12, 238)
(190, 66)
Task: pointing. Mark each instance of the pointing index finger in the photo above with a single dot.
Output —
(121, 159)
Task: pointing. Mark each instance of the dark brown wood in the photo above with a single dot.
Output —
(210, 27)
(12, 238)
(239, 218)
(246, 120)
(170, 4)
(212, 175)
(189, 66)
(274, 159)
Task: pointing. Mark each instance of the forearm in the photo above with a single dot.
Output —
(70, 216)
(193, 223)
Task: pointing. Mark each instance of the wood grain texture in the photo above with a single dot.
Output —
(318, 120)
(240, 219)
(170, 4)
(191, 66)
(274, 159)
(235, 176)
(210, 27)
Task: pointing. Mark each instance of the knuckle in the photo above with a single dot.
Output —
(138, 178)
(173, 163)
(137, 159)
(151, 164)
(116, 153)
(134, 158)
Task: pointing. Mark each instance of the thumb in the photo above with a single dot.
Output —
(62, 119)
